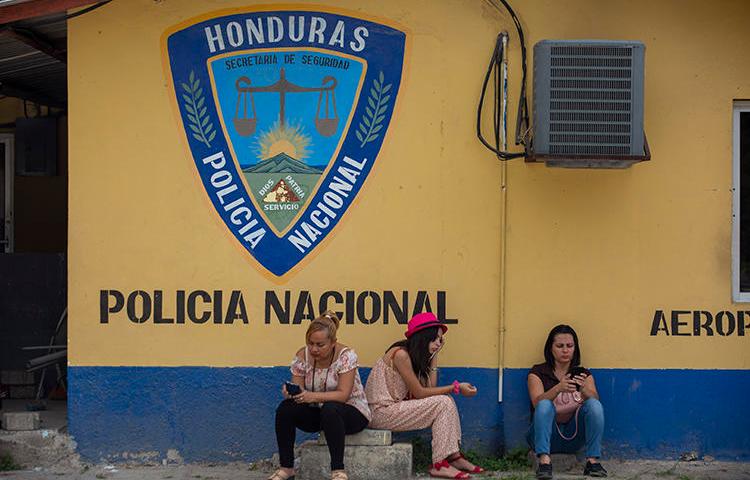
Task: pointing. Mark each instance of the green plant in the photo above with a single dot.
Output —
(515, 459)
(7, 463)
(422, 454)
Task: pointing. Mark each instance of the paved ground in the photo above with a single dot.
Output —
(630, 470)
(52, 445)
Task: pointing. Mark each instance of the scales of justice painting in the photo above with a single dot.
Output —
(285, 113)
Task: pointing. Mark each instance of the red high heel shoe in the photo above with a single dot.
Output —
(444, 464)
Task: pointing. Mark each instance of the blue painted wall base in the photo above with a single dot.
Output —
(225, 414)
(217, 414)
(654, 413)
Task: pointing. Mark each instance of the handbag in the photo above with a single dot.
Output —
(567, 404)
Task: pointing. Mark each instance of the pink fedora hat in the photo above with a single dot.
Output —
(421, 321)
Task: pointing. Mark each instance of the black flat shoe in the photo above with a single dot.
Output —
(544, 471)
(594, 470)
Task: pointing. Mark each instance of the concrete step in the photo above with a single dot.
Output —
(20, 421)
(362, 462)
(365, 437)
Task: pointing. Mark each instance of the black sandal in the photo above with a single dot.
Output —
(544, 471)
(594, 470)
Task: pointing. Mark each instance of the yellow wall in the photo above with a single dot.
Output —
(599, 249)
(604, 249)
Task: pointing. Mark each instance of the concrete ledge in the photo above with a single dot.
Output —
(20, 421)
(362, 462)
(365, 437)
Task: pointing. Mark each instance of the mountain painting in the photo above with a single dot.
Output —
(281, 186)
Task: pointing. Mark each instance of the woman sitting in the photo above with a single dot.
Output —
(553, 430)
(403, 395)
(331, 397)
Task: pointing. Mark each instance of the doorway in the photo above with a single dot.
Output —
(6, 192)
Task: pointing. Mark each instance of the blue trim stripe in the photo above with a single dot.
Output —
(224, 414)
(655, 413)
(216, 414)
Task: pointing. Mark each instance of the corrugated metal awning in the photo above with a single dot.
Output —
(33, 49)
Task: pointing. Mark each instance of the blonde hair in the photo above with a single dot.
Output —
(329, 321)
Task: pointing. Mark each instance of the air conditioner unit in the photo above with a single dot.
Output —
(588, 104)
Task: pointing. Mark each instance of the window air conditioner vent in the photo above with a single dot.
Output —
(588, 103)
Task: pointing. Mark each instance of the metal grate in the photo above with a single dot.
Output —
(588, 117)
(589, 50)
(591, 62)
(589, 149)
(591, 84)
(586, 73)
(590, 100)
(588, 103)
(590, 138)
(590, 106)
(565, 94)
(590, 127)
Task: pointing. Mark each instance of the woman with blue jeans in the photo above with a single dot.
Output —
(561, 373)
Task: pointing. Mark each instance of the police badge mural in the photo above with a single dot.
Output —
(284, 113)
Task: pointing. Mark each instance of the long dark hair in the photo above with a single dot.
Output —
(418, 347)
(562, 329)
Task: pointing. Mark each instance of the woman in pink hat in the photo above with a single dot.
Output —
(403, 395)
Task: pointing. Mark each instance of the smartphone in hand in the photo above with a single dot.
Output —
(575, 371)
(292, 388)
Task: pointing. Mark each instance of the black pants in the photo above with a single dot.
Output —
(335, 419)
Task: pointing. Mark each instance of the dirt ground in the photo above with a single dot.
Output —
(631, 470)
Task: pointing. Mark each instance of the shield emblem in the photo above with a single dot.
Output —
(284, 113)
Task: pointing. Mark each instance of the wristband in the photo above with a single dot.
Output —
(456, 387)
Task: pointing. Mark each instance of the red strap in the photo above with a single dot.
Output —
(441, 464)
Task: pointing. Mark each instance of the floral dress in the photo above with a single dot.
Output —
(391, 410)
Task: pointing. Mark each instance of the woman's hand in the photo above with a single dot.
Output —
(567, 384)
(588, 387)
(467, 389)
(305, 397)
(284, 393)
(579, 380)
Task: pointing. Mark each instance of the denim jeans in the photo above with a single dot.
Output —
(543, 436)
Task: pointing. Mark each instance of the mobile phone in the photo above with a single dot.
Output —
(292, 388)
(577, 371)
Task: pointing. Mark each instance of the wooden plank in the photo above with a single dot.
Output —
(38, 8)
